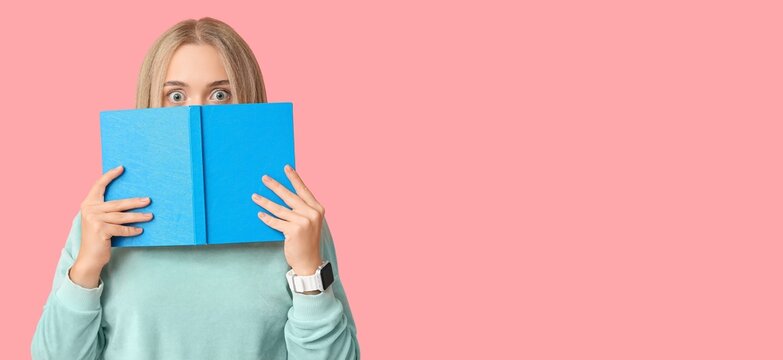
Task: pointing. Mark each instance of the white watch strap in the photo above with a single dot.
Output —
(308, 283)
(300, 284)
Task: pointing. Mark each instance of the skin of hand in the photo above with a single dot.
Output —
(100, 221)
(301, 224)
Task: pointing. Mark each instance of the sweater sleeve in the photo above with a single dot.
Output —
(70, 324)
(321, 326)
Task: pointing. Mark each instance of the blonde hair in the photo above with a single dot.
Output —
(244, 74)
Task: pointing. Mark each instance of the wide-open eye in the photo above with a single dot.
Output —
(176, 96)
(221, 95)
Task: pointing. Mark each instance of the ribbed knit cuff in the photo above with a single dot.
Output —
(314, 307)
(78, 298)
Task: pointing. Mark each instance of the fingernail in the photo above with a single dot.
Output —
(118, 167)
(144, 199)
(288, 167)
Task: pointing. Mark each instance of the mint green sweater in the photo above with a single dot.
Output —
(193, 302)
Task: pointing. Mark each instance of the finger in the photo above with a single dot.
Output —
(292, 200)
(301, 188)
(273, 222)
(125, 217)
(120, 230)
(276, 209)
(99, 188)
(122, 204)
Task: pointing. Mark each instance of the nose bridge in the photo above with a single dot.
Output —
(196, 100)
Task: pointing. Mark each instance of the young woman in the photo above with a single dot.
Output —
(196, 302)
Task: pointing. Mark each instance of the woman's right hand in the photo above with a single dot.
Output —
(100, 221)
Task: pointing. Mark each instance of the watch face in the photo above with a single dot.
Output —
(327, 278)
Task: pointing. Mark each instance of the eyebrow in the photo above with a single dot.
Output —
(180, 83)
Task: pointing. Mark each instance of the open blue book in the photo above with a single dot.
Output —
(199, 165)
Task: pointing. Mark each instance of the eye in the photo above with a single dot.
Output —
(221, 95)
(176, 96)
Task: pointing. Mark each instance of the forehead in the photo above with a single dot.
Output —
(196, 65)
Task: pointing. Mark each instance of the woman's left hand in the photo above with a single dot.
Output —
(301, 224)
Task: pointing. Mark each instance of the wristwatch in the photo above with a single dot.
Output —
(321, 280)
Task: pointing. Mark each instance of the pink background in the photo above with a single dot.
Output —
(559, 181)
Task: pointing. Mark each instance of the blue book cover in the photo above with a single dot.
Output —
(199, 165)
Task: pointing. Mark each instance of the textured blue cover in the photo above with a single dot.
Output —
(199, 165)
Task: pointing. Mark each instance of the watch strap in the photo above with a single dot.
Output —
(321, 280)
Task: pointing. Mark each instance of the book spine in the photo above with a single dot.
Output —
(197, 166)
